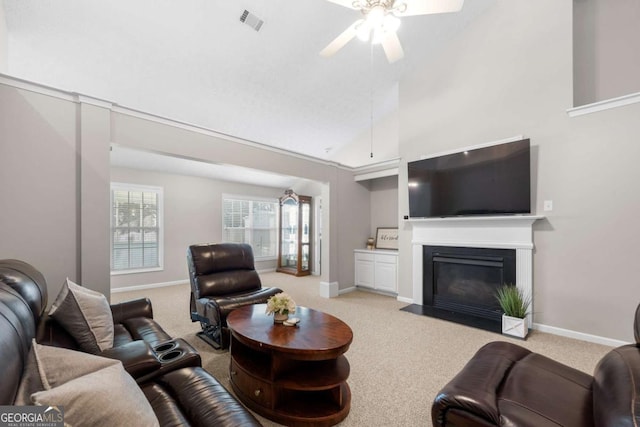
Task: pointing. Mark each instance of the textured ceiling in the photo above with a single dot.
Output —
(194, 61)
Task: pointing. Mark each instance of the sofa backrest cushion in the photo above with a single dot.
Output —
(28, 282)
(222, 269)
(26, 328)
(616, 388)
(16, 332)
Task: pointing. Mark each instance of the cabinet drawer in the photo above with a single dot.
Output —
(388, 259)
(364, 257)
(253, 388)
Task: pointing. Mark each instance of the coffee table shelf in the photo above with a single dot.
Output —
(319, 375)
(292, 375)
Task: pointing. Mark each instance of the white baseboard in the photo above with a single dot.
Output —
(346, 291)
(375, 291)
(560, 331)
(149, 286)
(329, 289)
(578, 335)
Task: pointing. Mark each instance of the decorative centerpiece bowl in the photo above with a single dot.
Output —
(280, 305)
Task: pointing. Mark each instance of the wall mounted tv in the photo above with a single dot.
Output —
(491, 180)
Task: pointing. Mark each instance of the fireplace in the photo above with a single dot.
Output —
(512, 233)
(465, 280)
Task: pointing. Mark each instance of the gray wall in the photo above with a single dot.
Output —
(353, 206)
(56, 172)
(38, 177)
(343, 207)
(192, 214)
(606, 40)
(384, 203)
(51, 164)
(508, 74)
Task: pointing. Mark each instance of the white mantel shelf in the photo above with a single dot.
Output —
(471, 219)
(508, 231)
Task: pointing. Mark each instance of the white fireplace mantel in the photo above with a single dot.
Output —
(503, 232)
(508, 232)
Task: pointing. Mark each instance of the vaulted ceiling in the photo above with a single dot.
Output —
(196, 62)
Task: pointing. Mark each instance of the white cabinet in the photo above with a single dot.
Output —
(377, 270)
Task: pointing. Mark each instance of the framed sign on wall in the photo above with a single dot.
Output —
(387, 238)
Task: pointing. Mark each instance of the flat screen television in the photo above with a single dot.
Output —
(493, 180)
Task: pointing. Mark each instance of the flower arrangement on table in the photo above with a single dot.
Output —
(281, 304)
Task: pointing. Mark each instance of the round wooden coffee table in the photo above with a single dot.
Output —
(294, 375)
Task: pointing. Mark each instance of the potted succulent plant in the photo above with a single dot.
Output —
(280, 305)
(515, 306)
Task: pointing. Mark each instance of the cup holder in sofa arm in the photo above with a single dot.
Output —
(176, 353)
(170, 356)
(166, 346)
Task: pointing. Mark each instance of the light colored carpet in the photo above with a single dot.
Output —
(399, 361)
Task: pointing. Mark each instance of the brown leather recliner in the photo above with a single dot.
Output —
(223, 277)
(507, 385)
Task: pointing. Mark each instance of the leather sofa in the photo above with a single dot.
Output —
(167, 371)
(507, 385)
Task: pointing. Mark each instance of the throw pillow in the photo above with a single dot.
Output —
(86, 315)
(93, 390)
(48, 367)
(109, 396)
(30, 381)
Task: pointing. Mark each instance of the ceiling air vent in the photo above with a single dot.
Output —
(251, 20)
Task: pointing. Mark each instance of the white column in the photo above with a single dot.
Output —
(524, 276)
(417, 273)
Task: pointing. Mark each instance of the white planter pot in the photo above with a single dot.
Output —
(279, 318)
(514, 326)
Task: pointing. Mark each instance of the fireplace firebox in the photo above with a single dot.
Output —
(460, 283)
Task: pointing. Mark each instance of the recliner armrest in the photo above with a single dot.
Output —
(472, 394)
(616, 387)
(137, 357)
(128, 309)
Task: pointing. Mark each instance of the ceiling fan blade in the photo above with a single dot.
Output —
(345, 3)
(340, 41)
(392, 47)
(426, 7)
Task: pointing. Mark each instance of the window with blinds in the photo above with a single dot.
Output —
(136, 232)
(251, 221)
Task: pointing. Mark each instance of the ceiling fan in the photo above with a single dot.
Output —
(382, 19)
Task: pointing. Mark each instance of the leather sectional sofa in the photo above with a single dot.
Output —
(507, 385)
(166, 371)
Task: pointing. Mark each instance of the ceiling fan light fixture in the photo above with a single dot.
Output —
(391, 23)
(378, 36)
(399, 8)
(375, 16)
(363, 31)
(381, 20)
